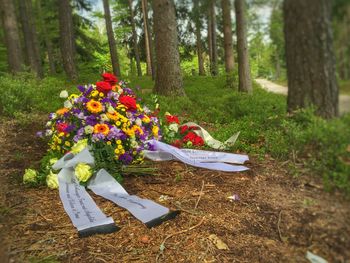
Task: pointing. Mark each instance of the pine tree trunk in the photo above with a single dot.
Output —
(11, 34)
(67, 40)
(31, 44)
(148, 41)
(245, 81)
(210, 43)
(47, 40)
(201, 70)
(168, 77)
(310, 59)
(134, 36)
(228, 42)
(111, 39)
(214, 64)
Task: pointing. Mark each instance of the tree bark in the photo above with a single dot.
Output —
(111, 39)
(67, 40)
(310, 59)
(168, 77)
(47, 40)
(245, 81)
(134, 36)
(214, 61)
(228, 42)
(31, 44)
(148, 41)
(201, 70)
(12, 40)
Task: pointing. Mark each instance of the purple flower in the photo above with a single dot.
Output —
(126, 158)
(98, 137)
(40, 134)
(114, 133)
(70, 128)
(81, 88)
(91, 120)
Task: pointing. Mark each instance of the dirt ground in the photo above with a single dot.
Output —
(277, 219)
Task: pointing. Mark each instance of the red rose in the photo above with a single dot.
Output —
(172, 119)
(177, 143)
(183, 129)
(190, 137)
(61, 127)
(198, 141)
(103, 87)
(110, 78)
(128, 102)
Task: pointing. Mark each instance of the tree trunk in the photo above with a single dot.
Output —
(148, 41)
(201, 70)
(214, 62)
(111, 39)
(47, 40)
(12, 40)
(168, 77)
(134, 36)
(245, 81)
(310, 59)
(31, 44)
(210, 43)
(67, 40)
(228, 42)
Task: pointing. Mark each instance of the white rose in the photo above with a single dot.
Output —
(89, 129)
(104, 117)
(48, 124)
(64, 94)
(67, 104)
(48, 132)
(174, 127)
(138, 122)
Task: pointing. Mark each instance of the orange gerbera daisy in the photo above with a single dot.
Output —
(113, 116)
(101, 128)
(94, 106)
(62, 111)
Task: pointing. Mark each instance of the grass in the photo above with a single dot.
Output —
(317, 145)
(344, 87)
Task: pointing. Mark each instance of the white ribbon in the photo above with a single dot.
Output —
(202, 159)
(209, 140)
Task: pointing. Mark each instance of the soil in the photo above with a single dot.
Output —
(278, 217)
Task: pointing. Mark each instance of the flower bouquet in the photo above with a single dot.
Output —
(107, 118)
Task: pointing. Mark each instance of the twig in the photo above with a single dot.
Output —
(200, 196)
(162, 245)
(278, 225)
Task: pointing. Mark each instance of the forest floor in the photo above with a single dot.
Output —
(344, 100)
(277, 219)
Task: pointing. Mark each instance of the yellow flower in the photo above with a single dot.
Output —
(101, 94)
(118, 123)
(67, 143)
(73, 96)
(30, 176)
(120, 146)
(113, 116)
(79, 146)
(83, 172)
(129, 132)
(155, 130)
(116, 151)
(109, 143)
(101, 128)
(137, 128)
(146, 119)
(94, 93)
(52, 180)
(52, 161)
(61, 111)
(118, 141)
(94, 106)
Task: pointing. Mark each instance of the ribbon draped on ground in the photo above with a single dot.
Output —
(198, 158)
(83, 211)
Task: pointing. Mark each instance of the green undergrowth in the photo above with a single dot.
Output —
(304, 142)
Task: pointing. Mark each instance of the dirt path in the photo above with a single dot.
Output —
(344, 100)
(277, 219)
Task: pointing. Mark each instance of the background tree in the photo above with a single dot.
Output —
(197, 21)
(168, 76)
(134, 36)
(67, 40)
(31, 44)
(311, 63)
(11, 35)
(228, 41)
(111, 40)
(212, 39)
(148, 41)
(244, 76)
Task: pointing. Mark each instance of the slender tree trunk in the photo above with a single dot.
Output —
(31, 45)
(47, 40)
(168, 77)
(228, 42)
(148, 41)
(111, 39)
(67, 40)
(134, 36)
(12, 40)
(310, 59)
(210, 43)
(214, 64)
(245, 81)
(201, 70)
